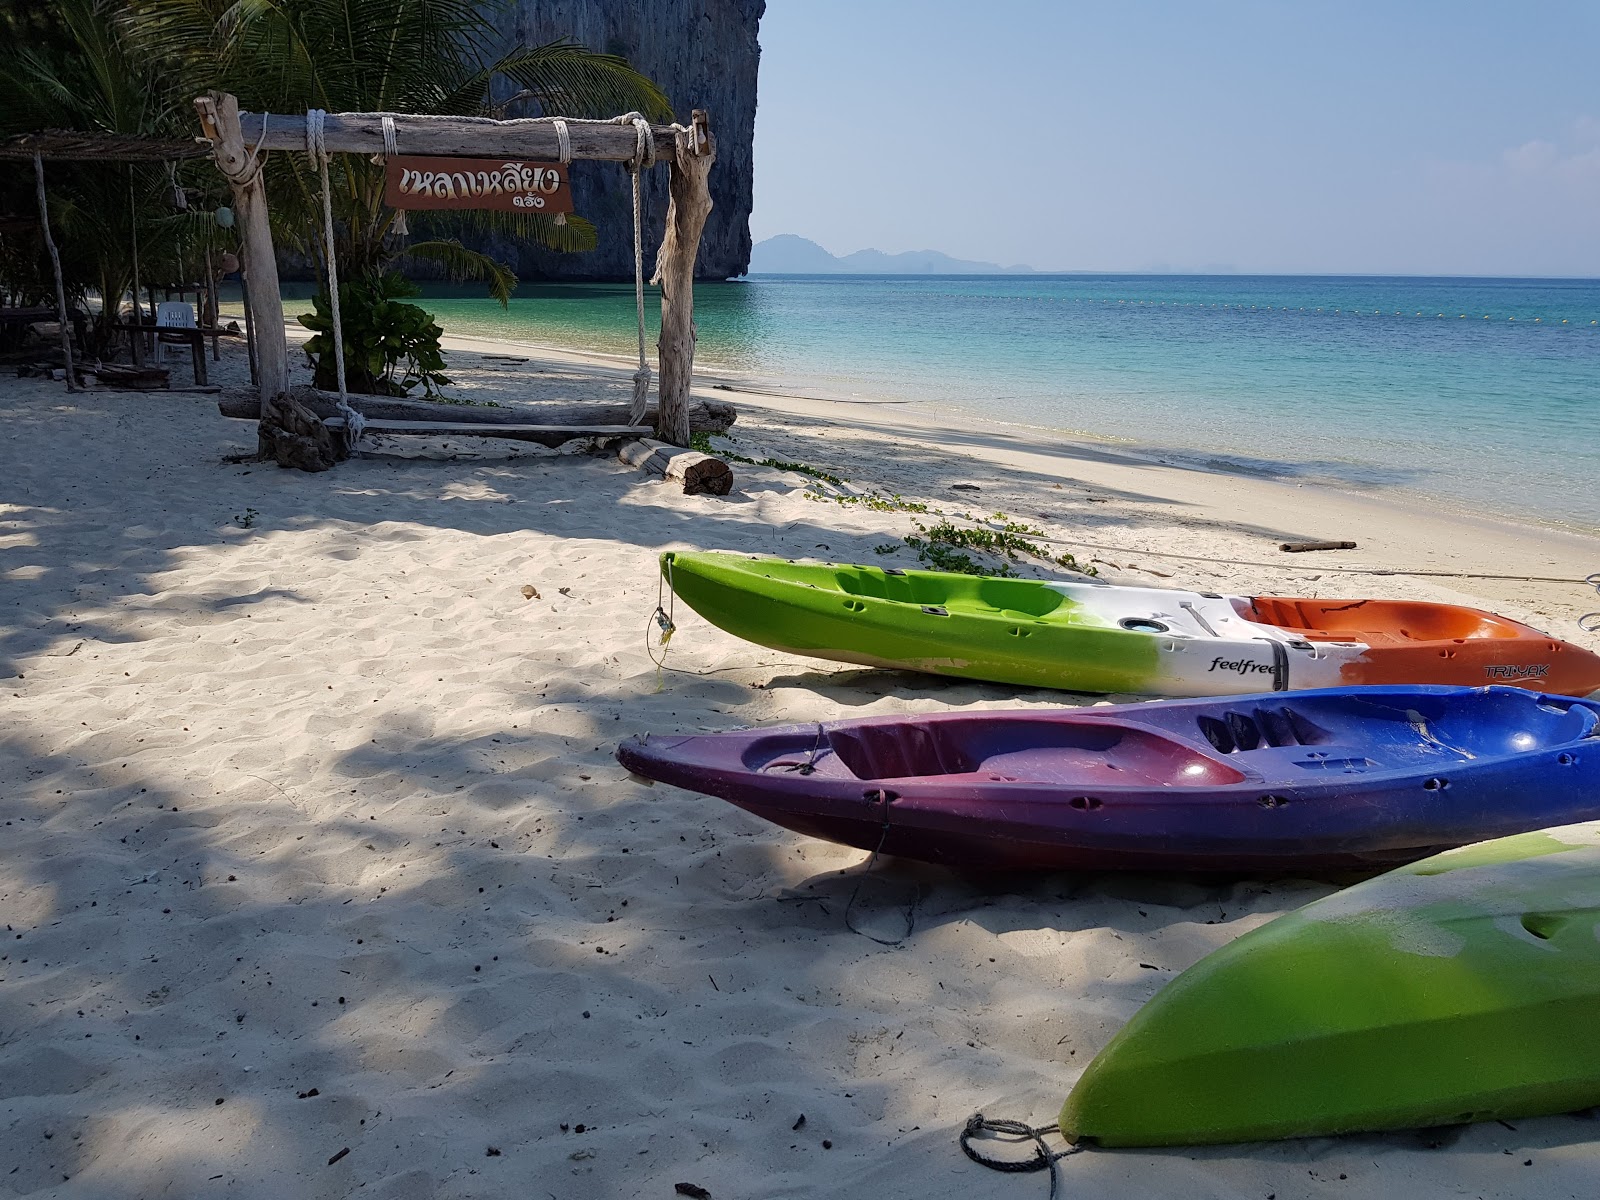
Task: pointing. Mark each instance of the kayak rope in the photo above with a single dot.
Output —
(883, 797)
(662, 619)
(1590, 622)
(1010, 1133)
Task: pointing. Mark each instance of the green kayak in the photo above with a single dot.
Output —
(1465, 987)
(1087, 636)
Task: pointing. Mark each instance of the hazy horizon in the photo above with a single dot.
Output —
(1197, 272)
(1251, 138)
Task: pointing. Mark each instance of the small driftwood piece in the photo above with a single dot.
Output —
(138, 379)
(566, 420)
(291, 435)
(1302, 547)
(700, 474)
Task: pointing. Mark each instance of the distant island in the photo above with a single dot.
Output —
(790, 254)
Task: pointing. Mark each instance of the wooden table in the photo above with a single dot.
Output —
(195, 335)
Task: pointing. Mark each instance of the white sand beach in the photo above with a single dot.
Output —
(319, 878)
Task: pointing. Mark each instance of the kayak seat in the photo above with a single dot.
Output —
(1027, 750)
(1389, 621)
(1259, 727)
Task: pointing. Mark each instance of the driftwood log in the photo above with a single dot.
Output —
(291, 435)
(700, 474)
(689, 188)
(565, 421)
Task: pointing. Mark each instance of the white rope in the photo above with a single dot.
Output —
(564, 150)
(391, 149)
(315, 147)
(644, 156)
(246, 175)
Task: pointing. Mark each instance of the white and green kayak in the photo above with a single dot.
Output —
(1085, 636)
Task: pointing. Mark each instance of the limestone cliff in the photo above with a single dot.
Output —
(704, 54)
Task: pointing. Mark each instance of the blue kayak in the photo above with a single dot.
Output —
(1340, 778)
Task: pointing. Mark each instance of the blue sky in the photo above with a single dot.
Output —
(1416, 137)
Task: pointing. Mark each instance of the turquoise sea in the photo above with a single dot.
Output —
(1481, 393)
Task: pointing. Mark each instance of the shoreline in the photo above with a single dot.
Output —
(1400, 534)
(934, 414)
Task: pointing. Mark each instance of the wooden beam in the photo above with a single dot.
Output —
(219, 117)
(690, 189)
(472, 137)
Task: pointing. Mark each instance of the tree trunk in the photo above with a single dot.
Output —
(694, 152)
(219, 116)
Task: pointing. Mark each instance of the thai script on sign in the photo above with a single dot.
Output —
(459, 183)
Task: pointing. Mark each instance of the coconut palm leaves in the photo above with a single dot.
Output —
(80, 72)
(412, 56)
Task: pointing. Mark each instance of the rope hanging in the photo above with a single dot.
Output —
(353, 421)
(564, 147)
(391, 149)
(644, 157)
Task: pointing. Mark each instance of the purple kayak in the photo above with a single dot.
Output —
(1341, 778)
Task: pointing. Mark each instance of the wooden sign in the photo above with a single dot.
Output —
(458, 183)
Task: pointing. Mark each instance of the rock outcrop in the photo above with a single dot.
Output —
(704, 53)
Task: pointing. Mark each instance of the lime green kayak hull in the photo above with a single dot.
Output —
(1001, 630)
(1465, 987)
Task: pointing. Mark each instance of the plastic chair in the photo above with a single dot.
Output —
(173, 314)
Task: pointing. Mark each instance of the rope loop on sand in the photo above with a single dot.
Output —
(1590, 622)
(1013, 1133)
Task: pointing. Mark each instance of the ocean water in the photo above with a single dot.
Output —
(1480, 393)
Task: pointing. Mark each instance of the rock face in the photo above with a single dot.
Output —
(704, 53)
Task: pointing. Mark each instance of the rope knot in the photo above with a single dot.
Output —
(644, 156)
(1011, 1132)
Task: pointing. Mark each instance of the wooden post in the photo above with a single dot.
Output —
(690, 204)
(55, 263)
(219, 116)
(135, 338)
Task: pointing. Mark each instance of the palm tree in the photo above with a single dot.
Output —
(68, 67)
(410, 56)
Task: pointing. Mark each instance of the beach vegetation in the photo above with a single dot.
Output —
(71, 65)
(429, 57)
(942, 546)
(135, 66)
(390, 346)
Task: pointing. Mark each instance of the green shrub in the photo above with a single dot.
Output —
(389, 346)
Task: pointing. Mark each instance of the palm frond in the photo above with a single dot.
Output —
(568, 79)
(462, 264)
(538, 229)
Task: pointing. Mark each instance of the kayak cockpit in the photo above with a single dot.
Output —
(1400, 620)
(1017, 749)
